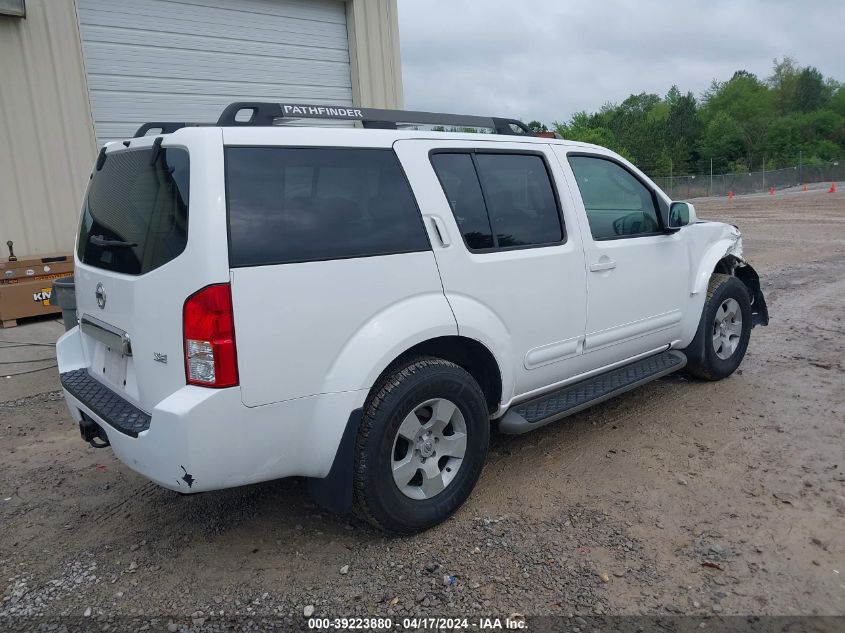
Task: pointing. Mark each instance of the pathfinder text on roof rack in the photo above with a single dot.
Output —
(322, 111)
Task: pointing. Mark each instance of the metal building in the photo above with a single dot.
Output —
(75, 74)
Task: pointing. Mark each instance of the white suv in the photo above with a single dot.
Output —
(359, 306)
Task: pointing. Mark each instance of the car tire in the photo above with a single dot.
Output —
(409, 433)
(724, 331)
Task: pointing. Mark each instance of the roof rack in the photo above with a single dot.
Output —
(264, 113)
(164, 127)
(268, 113)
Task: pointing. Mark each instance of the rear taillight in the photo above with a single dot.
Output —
(209, 333)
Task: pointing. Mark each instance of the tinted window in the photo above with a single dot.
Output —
(460, 184)
(500, 200)
(295, 205)
(135, 214)
(520, 199)
(617, 203)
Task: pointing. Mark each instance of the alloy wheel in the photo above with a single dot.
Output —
(429, 448)
(727, 328)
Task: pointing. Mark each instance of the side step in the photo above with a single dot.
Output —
(532, 414)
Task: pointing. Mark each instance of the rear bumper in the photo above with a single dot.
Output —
(202, 439)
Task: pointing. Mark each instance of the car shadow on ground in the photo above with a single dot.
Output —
(284, 506)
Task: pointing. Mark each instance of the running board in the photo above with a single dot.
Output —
(537, 412)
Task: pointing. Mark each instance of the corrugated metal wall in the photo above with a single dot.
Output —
(156, 60)
(46, 137)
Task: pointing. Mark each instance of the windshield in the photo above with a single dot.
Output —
(135, 213)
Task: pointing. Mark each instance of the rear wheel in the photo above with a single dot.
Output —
(724, 330)
(421, 447)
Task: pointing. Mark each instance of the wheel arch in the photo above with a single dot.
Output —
(469, 354)
(335, 491)
(384, 337)
(742, 270)
(720, 257)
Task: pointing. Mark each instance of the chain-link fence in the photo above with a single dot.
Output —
(704, 185)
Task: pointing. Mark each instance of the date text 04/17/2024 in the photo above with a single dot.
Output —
(513, 622)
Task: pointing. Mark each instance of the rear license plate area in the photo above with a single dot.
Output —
(114, 367)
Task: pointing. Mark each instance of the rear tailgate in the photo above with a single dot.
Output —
(152, 233)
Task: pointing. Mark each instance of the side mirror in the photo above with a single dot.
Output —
(681, 214)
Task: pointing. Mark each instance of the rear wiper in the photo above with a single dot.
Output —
(99, 240)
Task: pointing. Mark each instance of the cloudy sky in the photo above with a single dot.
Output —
(546, 59)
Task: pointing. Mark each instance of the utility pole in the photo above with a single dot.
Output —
(800, 167)
(710, 192)
(764, 172)
(671, 165)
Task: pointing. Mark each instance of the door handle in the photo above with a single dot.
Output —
(440, 230)
(605, 263)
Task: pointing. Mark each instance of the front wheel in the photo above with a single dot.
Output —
(724, 330)
(421, 447)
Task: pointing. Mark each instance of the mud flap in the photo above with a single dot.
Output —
(759, 310)
(334, 491)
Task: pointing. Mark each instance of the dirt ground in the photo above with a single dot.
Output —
(682, 497)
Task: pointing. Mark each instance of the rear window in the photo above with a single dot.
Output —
(310, 204)
(135, 213)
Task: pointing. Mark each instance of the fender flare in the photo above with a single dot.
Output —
(478, 322)
(385, 336)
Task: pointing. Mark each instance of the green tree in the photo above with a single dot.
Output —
(586, 128)
(811, 93)
(721, 140)
(682, 129)
(783, 83)
(837, 102)
(795, 114)
(749, 103)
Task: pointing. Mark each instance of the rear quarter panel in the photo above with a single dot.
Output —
(332, 326)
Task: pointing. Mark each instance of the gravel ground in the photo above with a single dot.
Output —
(681, 498)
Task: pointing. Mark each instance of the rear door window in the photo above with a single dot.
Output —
(520, 199)
(311, 204)
(135, 213)
(500, 200)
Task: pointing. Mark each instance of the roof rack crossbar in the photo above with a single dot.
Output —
(268, 113)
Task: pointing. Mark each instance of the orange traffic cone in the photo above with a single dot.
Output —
(730, 195)
(805, 187)
(771, 191)
(832, 188)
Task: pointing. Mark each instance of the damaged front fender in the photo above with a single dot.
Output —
(722, 247)
(711, 243)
